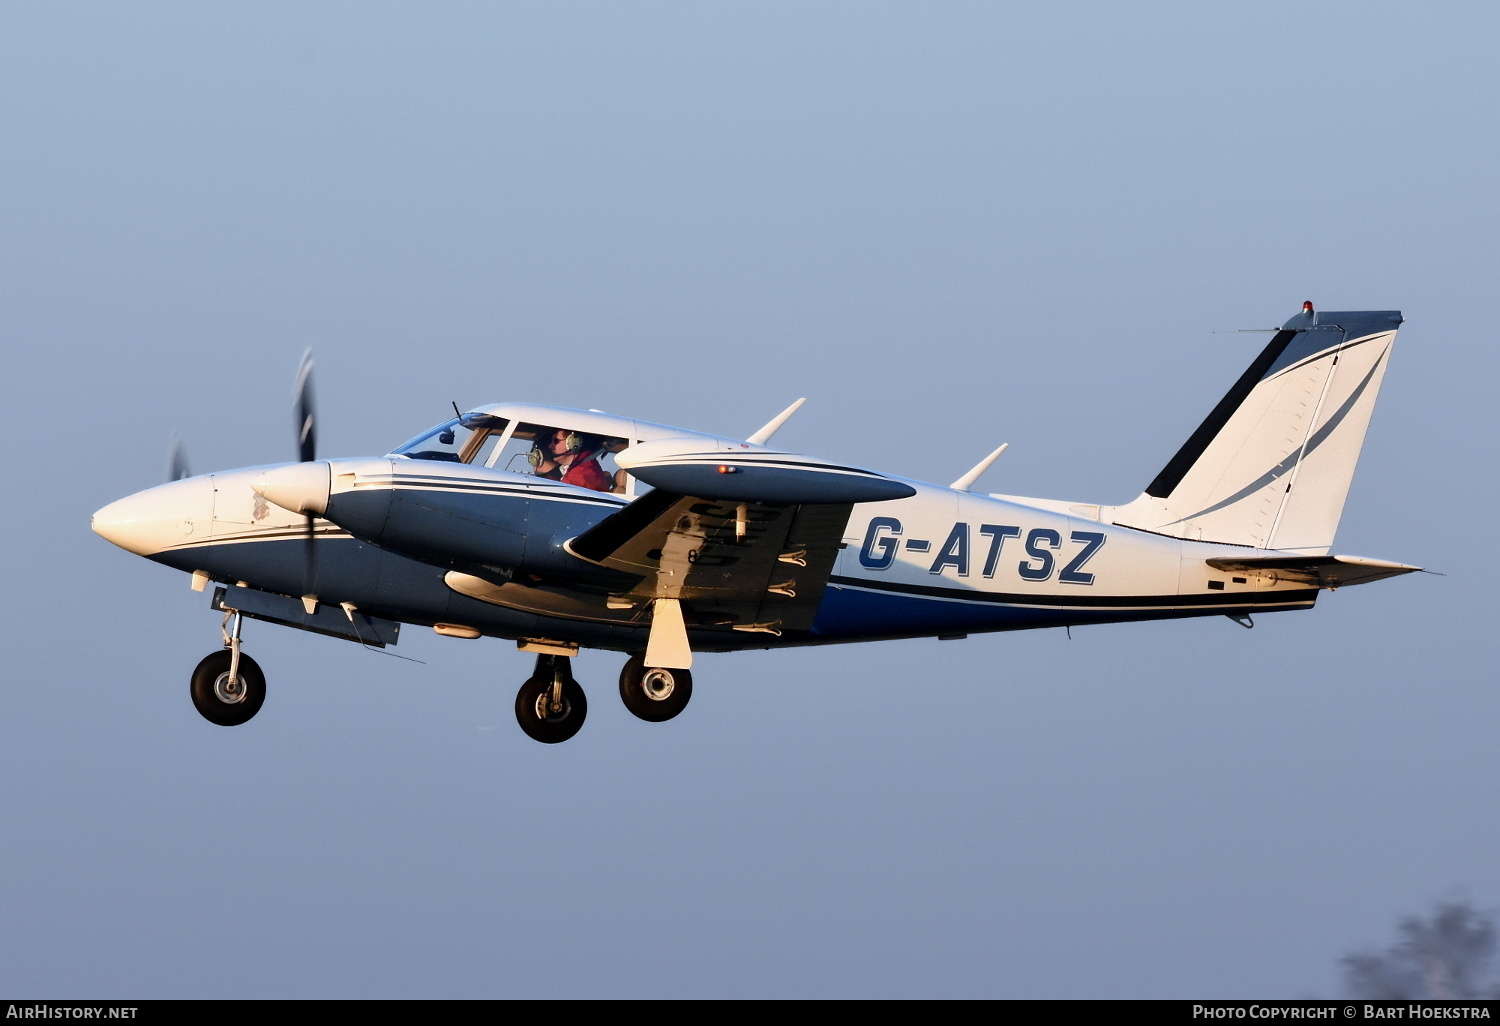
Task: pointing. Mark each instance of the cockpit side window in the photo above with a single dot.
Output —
(471, 438)
(563, 454)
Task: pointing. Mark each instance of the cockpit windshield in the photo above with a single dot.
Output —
(467, 439)
(560, 453)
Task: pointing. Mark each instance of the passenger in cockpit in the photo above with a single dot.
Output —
(571, 458)
(618, 481)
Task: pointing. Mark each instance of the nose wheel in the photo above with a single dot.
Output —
(654, 693)
(550, 707)
(228, 687)
(224, 699)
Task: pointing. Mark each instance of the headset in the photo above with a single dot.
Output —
(537, 455)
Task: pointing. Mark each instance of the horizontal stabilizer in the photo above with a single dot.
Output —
(1321, 571)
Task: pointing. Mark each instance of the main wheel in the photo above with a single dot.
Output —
(544, 724)
(223, 703)
(653, 693)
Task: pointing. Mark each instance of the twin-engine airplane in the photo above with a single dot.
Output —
(562, 529)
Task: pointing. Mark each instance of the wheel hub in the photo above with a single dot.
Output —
(545, 710)
(230, 693)
(658, 685)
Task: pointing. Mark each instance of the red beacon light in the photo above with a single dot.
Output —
(1307, 307)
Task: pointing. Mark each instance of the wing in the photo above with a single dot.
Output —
(747, 565)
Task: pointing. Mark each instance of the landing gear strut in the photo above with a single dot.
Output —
(550, 707)
(228, 686)
(653, 693)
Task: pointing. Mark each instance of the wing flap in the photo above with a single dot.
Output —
(753, 565)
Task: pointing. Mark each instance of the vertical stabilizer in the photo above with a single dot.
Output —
(1271, 465)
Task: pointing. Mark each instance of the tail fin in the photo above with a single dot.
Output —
(1271, 465)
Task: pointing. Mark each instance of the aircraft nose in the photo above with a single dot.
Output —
(298, 487)
(158, 518)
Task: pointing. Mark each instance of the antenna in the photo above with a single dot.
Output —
(963, 483)
(763, 436)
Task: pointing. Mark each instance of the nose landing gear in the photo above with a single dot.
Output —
(228, 687)
(653, 693)
(550, 707)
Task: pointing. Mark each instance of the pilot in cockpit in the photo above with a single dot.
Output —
(572, 458)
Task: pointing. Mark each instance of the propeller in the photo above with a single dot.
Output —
(307, 426)
(177, 464)
(303, 406)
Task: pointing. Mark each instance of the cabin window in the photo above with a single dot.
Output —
(471, 438)
(562, 454)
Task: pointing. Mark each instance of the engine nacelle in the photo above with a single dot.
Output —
(447, 514)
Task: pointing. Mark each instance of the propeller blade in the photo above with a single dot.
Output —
(305, 411)
(307, 425)
(177, 464)
(309, 557)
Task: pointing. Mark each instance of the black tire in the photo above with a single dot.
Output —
(209, 687)
(539, 725)
(652, 693)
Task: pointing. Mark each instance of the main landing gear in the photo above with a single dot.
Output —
(550, 707)
(228, 686)
(653, 693)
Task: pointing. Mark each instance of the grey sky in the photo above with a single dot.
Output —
(949, 225)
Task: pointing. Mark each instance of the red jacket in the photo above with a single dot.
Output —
(586, 473)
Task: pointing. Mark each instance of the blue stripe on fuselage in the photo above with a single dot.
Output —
(851, 612)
